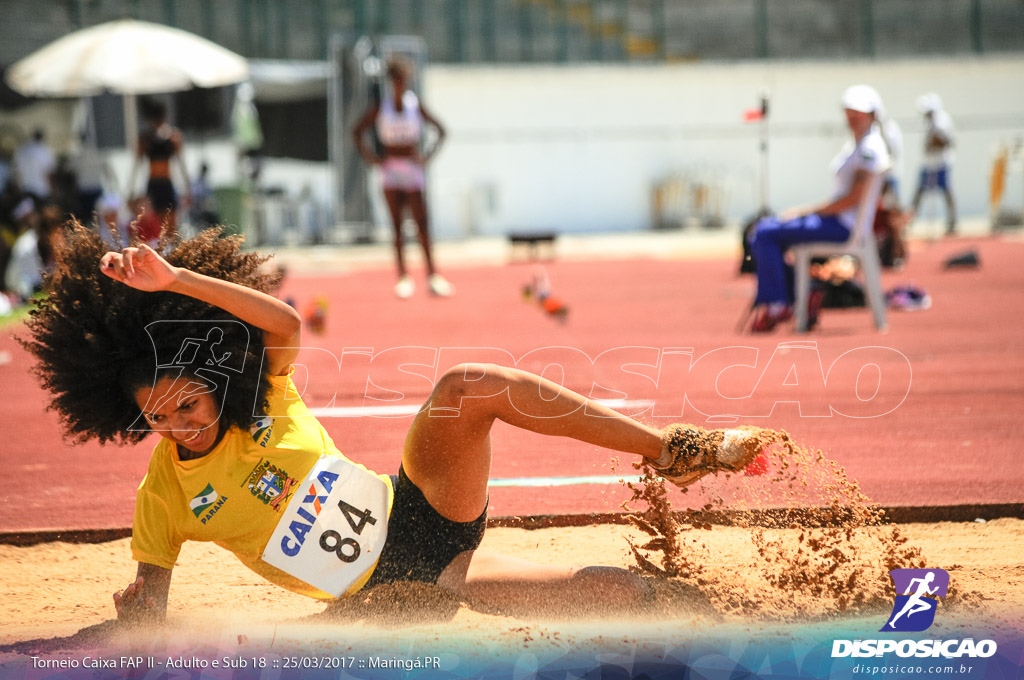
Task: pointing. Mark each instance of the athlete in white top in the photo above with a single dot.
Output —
(399, 120)
(938, 156)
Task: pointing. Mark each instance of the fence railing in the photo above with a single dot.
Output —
(559, 31)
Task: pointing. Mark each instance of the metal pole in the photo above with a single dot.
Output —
(764, 150)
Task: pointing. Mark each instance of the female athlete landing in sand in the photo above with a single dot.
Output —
(129, 342)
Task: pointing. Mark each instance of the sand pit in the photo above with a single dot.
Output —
(803, 560)
(57, 602)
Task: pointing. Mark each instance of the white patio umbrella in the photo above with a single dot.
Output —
(126, 57)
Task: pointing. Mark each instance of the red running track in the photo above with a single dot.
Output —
(934, 419)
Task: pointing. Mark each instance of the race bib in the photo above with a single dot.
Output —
(333, 530)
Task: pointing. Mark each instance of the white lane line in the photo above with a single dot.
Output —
(563, 481)
(413, 409)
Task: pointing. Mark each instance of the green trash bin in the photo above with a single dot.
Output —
(231, 208)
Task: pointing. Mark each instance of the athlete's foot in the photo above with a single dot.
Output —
(405, 287)
(440, 286)
(688, 453)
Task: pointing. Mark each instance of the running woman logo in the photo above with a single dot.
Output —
(916, 593)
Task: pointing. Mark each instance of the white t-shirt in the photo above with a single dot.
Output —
(870, 154)
(25, 268)
(940, 124)
(34, 164)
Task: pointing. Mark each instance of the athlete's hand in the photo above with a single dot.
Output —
(132, 606)
(792, 214)
(141, 268)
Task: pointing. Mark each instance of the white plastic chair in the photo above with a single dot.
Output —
(861, 245)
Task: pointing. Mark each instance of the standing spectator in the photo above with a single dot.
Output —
(938, 156)
(400, 118)
(161, 143)
(34, 165)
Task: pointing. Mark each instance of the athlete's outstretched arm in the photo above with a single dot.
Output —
(144, 269)
(145, 599)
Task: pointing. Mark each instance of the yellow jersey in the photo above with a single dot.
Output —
(235, 495)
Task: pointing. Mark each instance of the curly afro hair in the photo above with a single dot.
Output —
(97, 341)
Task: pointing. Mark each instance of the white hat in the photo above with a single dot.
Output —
(929, 103)
(863, 98)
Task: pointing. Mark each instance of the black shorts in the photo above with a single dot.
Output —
(162, 195)
(421, 542)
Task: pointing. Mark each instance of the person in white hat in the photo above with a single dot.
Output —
(938, 156)
(866, 154)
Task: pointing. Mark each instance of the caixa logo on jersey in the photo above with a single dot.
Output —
(913, 611)
(307, 513)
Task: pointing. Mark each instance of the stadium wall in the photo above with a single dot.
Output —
(580, 148)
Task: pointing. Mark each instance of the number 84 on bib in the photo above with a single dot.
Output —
(334, 528)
